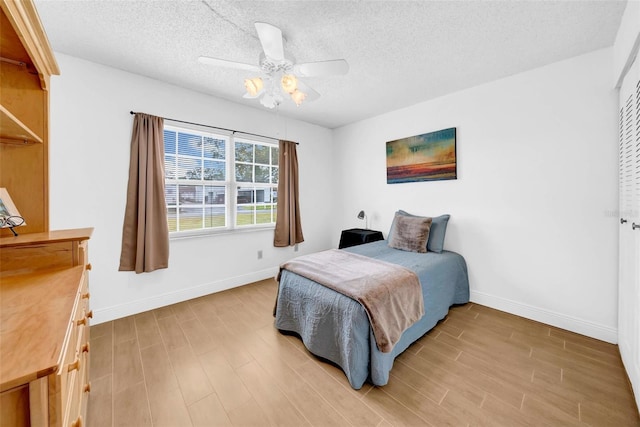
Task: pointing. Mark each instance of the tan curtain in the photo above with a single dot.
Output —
(145, 233)
(288, 228)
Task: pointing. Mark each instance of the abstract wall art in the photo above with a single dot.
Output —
(427, 157)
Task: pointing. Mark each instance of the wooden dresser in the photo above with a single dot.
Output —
(44, 328)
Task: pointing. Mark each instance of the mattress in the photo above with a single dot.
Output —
(335, 327)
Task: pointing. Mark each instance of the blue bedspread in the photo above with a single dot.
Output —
(336, 327)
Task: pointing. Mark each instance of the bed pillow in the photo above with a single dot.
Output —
(435, 243)
(411, 233)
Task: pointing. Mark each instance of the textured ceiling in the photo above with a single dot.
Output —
(400, 52)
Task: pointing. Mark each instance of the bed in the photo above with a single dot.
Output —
(337, 328)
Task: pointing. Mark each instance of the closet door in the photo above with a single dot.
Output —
(629, 272)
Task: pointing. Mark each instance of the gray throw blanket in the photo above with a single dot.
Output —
(390, 294)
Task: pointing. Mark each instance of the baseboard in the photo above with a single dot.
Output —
(573, 324)
(139, 306)
(559, 320)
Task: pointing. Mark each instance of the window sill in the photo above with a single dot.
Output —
(179, 235)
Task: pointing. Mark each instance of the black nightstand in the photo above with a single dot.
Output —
(358, 236)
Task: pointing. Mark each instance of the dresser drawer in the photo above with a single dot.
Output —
(85, 349)
(66, 387)
(77, 379)
(78, 369)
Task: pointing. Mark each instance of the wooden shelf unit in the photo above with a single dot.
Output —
(26, 65)
(44, 278)
(14, 131)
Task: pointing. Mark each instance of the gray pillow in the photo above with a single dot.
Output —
(435, 243)
(411, 233)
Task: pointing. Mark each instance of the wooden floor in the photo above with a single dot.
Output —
(218, 360)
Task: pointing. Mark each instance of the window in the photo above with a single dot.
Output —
(215, 182)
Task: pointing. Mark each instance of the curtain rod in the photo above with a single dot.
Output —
(219, 128)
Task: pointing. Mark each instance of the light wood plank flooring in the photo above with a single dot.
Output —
(218, 361)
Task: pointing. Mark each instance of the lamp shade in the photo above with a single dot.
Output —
(361, 215)
(253, 85)
(298, 97)
(270, 100)
(289, 83)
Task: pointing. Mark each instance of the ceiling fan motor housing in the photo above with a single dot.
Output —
(271, 66)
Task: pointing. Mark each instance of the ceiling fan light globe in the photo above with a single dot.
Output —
(253, 86)
(289, 83)
(298, 97)
(270, 101)
(267, 101)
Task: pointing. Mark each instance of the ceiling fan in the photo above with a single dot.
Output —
(280, 74)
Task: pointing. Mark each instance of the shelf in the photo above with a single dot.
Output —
(46, 237)
(13, 131)
(21, 25)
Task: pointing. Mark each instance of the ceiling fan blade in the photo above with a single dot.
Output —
(311, 94)
(271, 40)
(322, 68)
(228, 64)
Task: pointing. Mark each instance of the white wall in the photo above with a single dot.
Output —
(89, 160)
(534, 207)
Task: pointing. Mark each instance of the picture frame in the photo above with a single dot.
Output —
(8, 210)
(428, 157)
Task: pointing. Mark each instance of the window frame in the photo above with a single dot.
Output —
(231, 185)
